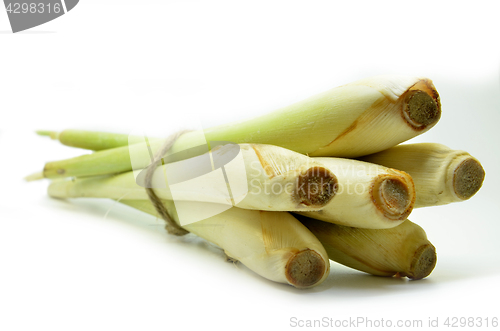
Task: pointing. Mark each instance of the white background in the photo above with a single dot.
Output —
(123, 65)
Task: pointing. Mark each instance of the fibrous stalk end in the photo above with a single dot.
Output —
(317, 186)
(305, 268)
(422, 107)
(468, 178)
(394, 196)
(424, 261)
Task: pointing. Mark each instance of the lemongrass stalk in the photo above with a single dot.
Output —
(352, 120)
(403, 250)
(268, 178)
(92, 140)
(275, 245)
(368, 195)
(441, 175)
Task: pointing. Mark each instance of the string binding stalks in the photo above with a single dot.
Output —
(264, 178)
(366, 229)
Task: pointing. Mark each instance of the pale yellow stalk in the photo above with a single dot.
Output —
(352, 120)
(368, 195)
(400, 251)
(261, 177)
(441, 175)
(275, 245)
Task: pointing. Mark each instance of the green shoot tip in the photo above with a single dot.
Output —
(35, 176)
(51, 134)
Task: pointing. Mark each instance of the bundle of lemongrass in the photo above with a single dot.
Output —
(334, 158)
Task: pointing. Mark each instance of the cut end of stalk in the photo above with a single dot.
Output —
(316, 187)
(468, 178)
(423, 262)
(305, 269)
(422, 108)
(35, 176)
(393, 196)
